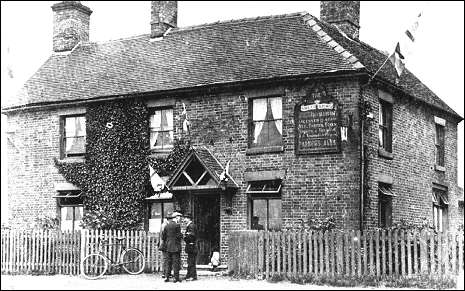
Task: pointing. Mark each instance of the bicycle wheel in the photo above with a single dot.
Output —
(133, 261)
(94, 266)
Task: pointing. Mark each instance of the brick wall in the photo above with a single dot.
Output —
(314, 186)
(32, 145)
(412, 167)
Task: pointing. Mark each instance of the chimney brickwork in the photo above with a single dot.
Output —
(164, 16)
(343, 14)
(70, 25)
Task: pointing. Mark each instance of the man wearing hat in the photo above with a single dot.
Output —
(190, 237)
(172, 236)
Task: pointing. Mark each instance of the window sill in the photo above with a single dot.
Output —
(385, 154)
(72, 159)
(264, 150)
(439, 168)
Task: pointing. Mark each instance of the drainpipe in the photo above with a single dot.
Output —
(362, 153)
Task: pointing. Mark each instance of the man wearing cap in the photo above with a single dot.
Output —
(172, 236)
(190, 237)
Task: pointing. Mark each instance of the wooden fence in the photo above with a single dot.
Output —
(264, 254)
(55, 252)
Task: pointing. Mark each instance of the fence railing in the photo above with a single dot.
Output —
(56, 252)
(264, 254)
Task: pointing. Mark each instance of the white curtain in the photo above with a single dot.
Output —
(277, 110)
(169, 119)
(259, 114)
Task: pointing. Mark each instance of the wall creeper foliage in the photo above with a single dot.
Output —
(115, 175)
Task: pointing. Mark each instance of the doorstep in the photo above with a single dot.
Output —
(206, 270)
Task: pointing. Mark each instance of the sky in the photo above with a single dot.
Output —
(26, 40)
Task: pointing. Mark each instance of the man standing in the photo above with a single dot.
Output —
(162, 243)
(190, 237)
(172, 236)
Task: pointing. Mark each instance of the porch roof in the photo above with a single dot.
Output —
(211, 165)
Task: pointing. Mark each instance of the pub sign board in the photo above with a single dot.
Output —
(317, 127)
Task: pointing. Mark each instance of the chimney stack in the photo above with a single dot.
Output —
(164, 16)
(345, 15)
(70, 25)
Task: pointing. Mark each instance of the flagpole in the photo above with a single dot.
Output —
(372, 77)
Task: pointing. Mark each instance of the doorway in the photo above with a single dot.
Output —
(207, 218)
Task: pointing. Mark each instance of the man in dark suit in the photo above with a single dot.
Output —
(172, 236)
(162, 244)
(190, 237)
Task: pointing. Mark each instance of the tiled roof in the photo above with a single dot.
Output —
(373, 59)
(218, 53)
(222, 52)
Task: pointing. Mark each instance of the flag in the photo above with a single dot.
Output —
(404, 47)
(225, 173)
(185, 123)
(157, 182)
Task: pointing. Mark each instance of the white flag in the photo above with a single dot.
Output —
(157, 182)
(185, 123)
(224, 175)
(404, 47)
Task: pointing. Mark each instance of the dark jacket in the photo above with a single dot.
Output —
(172, 236)
(190, 238)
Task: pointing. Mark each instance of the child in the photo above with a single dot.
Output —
(215, 260)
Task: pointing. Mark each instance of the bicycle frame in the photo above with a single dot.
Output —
(121, 250)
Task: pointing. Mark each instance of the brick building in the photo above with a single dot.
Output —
(285, 99)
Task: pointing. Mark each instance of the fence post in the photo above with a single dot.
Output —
(445, 257)
(326, 245)
(454, 254)
(423, 258)
(396, 252)
(383, 252)
(402, 252)
(377, 253)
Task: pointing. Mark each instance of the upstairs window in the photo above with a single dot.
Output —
(161, 129)
(266, 126)
(439, 142)
(385, 125)
(73, 136)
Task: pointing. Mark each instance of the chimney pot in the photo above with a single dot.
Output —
(70, 25)
(164, 16)
(345, 15)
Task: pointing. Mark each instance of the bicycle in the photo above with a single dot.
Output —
(95, 265)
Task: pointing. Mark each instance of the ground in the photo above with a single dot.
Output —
(147, 282)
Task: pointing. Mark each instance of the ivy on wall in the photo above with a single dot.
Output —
(114, 178)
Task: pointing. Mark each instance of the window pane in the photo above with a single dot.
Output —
(75, 145)
(381, 138)
(445, 219)
(155, 211)
(155, 120)
(275, 221)
(259, 109)
(154, 140)
(167, 139)
(75, 126)
(276, 107)
(380, 114)
(274, 134)
(259, 210)
(154, 225)
(167, 124)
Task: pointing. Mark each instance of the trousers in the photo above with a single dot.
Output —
(191, 265)
(173, 262)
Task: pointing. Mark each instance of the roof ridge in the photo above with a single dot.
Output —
(312, 22)
(241, 20)
(205, 25)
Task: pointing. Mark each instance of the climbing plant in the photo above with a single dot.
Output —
(114, 177)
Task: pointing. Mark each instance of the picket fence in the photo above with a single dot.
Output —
(263, 254)
(56, 252)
